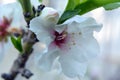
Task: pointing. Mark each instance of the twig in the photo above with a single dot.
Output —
(19, 63)
(29, 39)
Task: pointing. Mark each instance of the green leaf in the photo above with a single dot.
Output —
(73, 10)
(71, 4)
(104, 2)
(84, 6)
(70, 10)
(67, 15)
(17, 43)
(40, 0)
(112, 6)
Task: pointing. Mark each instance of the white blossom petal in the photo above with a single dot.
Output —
(45, 61)
(42, 32)
(43, 25)
(81, 44)
(81, 49)
(39, 48)
(76, 57)
(72, 68)
(84, 24)
(6, 10)
(13, 11)
(18, 20)
(50, 16)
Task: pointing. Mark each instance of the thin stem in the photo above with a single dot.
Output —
(27, 9)
(26, 5)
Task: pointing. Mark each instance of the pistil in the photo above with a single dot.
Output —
(60, 38)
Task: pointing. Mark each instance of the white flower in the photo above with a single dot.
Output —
(72, 42)
(11, 20)
(11, 17)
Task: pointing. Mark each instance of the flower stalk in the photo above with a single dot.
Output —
(27, 9)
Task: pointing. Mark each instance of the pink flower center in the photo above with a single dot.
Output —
(4, 24)
(60, 38)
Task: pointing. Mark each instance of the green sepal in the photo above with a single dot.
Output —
(17, 43)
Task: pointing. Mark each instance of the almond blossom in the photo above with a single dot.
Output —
(72, 42)
(11, 21)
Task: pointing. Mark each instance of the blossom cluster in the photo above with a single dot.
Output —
(71, 43)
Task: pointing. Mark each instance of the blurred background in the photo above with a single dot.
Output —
(105, 67)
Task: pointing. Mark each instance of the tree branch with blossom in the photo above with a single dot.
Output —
(29, 39)
(59, 35)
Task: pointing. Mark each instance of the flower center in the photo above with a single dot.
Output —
(60, 38)
(4, 24)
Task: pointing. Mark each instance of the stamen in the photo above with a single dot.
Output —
(60, 38)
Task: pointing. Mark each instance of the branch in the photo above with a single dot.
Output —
(29, 39)
(19, 63)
